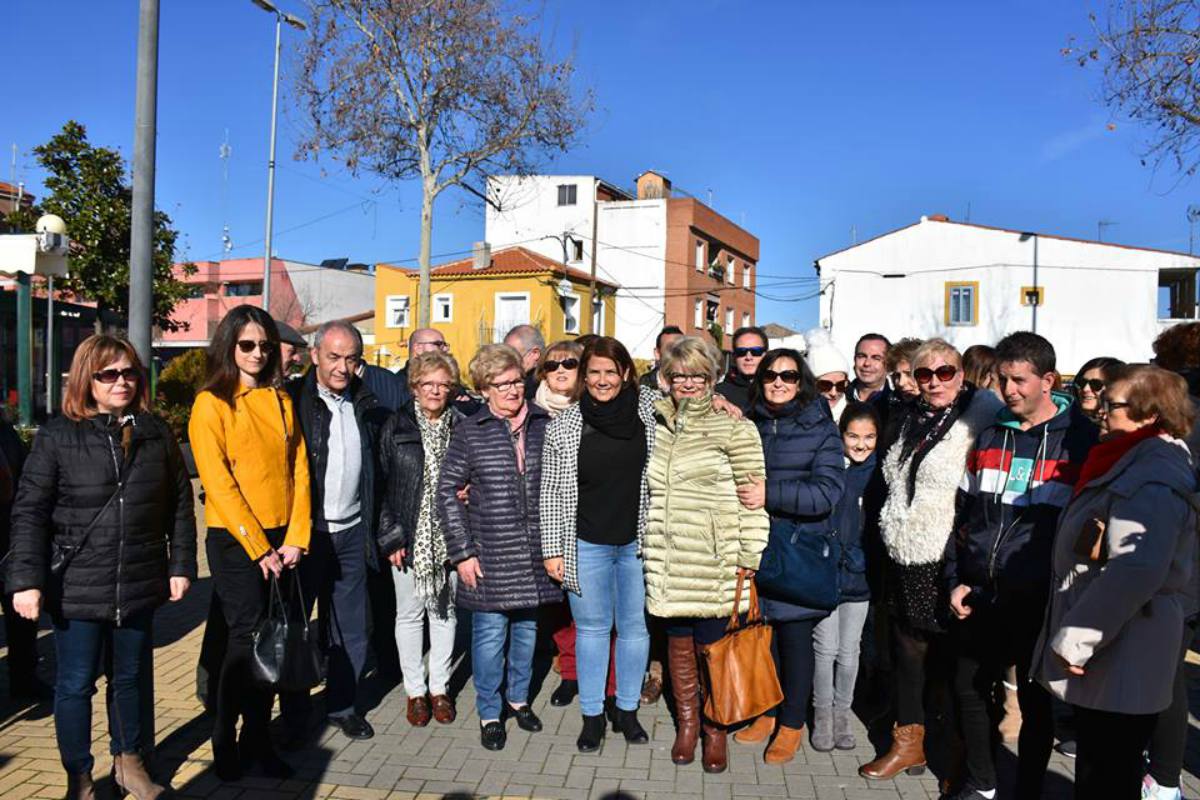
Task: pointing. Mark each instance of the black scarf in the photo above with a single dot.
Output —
(925, 427)
(763, 410)
(617, 418)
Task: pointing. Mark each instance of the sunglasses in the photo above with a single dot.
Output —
(742, 352)
(1095, 384)
(566, 363)
(248, 345)
(945, 373)
(826, 386)
(130, 375)
(787, 376)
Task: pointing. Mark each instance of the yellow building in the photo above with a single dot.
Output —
(477, 300)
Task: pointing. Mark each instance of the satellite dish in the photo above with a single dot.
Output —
(1193, 213)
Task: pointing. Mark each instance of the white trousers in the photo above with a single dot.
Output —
(410, 637)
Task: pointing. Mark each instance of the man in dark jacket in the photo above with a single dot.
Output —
(666, 337)
(1019, 476)
(340, 419)
(749, 347)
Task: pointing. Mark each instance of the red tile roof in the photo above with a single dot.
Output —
(511, 261)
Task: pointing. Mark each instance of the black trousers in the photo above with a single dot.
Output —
(1169, 739)
(1109, 763)
(796, 665)
(987, 643)
(21, 635)
(239, 584)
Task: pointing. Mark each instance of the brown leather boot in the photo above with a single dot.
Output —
(758, 731)
(131, 775)
(714, 748)
(907, 754)
(786, 743)
(685, 688)
(80, 787)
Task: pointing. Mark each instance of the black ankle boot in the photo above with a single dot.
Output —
(626, 722)
(610, 711)
(565, 693)
(592, 734)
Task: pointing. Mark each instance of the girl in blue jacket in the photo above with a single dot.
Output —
(836, 638)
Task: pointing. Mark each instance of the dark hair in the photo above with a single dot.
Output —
(223, 376)
(1106, 364)
(1027, 346)
(806, 389)
(856, 411)
(979, 365)
(872, 337)
(757, 331)
(586, 339)
(670, 330)
(610, 348)
(1178, 347)
(903, 350)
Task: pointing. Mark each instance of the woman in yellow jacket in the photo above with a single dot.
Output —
(252, 461)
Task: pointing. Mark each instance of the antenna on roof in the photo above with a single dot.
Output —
(1101, 225)
(1193, 216)
(224, 152)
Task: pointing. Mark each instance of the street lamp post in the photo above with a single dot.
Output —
(298, 24)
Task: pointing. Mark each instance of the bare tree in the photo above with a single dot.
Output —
(449, 91)
(1150, 53)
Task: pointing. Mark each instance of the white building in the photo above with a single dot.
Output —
(973, 284)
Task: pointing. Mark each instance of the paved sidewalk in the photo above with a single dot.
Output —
(440, 761)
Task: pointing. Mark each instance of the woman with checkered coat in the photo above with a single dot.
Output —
(593, 505)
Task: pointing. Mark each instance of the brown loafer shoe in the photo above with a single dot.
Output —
(651, 690)
(443, 709)
(418, 711)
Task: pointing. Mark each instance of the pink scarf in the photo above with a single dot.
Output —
(517, 427)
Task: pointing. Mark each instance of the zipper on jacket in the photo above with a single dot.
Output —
(120, 524)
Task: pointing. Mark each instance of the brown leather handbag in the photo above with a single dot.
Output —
(740, 673)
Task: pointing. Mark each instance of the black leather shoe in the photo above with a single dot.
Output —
(493, 736)
(226, 763)
(565, 693)
(592, 734)
(627, 723)
(271, 765)
(526, 719)
(353, 726)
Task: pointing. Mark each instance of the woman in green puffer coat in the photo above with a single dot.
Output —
(699, 537)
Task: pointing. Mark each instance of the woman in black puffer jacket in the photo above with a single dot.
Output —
(106, 485)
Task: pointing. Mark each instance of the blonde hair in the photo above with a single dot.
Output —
(490, 361)
(690, 355)
(421, 365)
(936, 347)
(97, 352)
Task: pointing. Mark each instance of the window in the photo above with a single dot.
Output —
(566, 194)
(700, 260)
(729, 321)
(962, 303)
(1177, 294)
(396, 311)
(195, 291)
(746, 276)
(598, 314)
(577, 250)
(699, 319)
(746, 319)
(248, 289)
(729, 270)
(443, 308)
(1031, 296)
(570, 307)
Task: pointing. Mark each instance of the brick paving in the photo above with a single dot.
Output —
(403, 763)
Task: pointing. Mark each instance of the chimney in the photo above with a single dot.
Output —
(481, 255)
(653, 186)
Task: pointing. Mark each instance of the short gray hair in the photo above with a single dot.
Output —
(338, 325)
(529, 337)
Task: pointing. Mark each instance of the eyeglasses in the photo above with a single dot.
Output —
(679, 380)
(787, 376)
(742, 352)
(945, 373)
(508, 386)
(1095, 384)
(130, 375)
(429, 387)
(248, 345)
(897, 376)
(826, 386)
(566, 363)
(1109, 406)
(440, 344)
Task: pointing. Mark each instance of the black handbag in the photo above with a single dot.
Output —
(803, 569)
(286, 654)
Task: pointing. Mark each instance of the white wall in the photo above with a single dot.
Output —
(631, 251)
(530, 211)
(1099, 299)
(326, 294)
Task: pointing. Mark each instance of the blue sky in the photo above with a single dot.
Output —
(805, 119)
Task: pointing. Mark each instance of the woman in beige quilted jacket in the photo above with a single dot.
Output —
(699, 537)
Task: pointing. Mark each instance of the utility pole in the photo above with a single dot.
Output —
(271, 174)
(141, 246)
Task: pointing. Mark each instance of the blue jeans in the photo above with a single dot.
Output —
(489, 629)
(78, 645)
(613, 590)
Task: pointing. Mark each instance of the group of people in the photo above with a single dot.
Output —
(953, 515)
